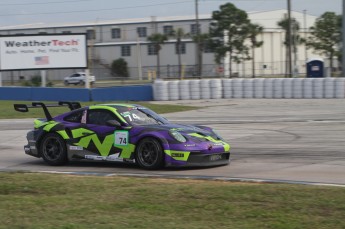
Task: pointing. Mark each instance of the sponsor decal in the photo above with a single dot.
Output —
(83, 118)
(215, 157)
(35, 43)
(218, 144)
(177, 154)
(93, 157)
(113, 157)
(76, 148)
(189, 145)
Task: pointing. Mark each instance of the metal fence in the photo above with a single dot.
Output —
(242, 70)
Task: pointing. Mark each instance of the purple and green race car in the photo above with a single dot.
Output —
(121, 132)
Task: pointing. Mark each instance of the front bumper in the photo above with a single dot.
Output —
(197, 159)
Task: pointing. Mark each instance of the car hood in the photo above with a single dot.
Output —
(186, 129)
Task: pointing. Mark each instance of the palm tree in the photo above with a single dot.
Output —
(157, 39)
(295, 38)
(254, 30)
(201, 40)
(178, 34)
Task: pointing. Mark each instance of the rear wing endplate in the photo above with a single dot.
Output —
(25, 107)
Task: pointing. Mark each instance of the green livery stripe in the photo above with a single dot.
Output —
(127, 151)
(178, 155)
(225, 145)
(63, 134)
(103, 147)
(49, 125)
(38, 123)
(78, 133)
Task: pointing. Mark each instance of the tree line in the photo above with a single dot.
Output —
(232, 33)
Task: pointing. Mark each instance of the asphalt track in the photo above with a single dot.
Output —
(297, 141)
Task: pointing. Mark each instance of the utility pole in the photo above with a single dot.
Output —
(198, 50)
(343, 48)
(305, 34)
(289, 39)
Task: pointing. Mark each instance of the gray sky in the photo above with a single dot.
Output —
(16, 12)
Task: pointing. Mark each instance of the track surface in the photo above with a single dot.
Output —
(287, 140)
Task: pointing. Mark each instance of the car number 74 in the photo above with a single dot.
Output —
(121, 138)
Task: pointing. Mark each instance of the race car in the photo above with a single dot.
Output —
(121, 132)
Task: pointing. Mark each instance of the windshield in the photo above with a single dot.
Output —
(140, 116)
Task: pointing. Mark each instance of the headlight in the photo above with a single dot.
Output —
(179, 137)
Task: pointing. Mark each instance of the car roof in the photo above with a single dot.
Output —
(116, 105)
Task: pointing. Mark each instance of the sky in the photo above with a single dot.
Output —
(22, 12)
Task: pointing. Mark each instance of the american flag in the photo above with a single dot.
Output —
(42, 60)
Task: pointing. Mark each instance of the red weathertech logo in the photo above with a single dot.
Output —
(64, 43)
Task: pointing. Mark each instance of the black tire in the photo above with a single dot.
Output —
(66, 83)
(149, 154)
(81, 82)
(53, 149)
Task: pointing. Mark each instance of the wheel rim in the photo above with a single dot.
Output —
(52, 149)
(148, 153)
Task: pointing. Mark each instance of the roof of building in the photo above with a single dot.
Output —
(268, 19)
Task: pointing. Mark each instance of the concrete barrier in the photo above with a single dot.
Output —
(122, 93)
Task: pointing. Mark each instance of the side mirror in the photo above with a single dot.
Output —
(113, 123)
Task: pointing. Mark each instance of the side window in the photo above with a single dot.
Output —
(116, 33)
(74, 117)
(125, 50)
(168, 30)
(181, 50)
(90, 34)
(100, 117)
(141, 31)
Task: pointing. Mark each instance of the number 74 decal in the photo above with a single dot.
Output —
(121, 138)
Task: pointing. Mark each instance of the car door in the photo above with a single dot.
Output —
(104, 138)
(74, 78)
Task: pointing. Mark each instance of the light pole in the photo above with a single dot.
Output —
(198, 51)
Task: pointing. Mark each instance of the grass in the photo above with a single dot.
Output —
(7, 111)
(30, 200)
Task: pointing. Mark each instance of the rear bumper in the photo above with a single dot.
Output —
(31, 148)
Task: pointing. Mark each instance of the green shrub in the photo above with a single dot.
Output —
(119, 68)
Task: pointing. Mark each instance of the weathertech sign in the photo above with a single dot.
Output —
(43, 52)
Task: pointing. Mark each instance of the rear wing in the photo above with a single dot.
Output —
(25, 107)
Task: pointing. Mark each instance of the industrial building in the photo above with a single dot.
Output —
(127, 39)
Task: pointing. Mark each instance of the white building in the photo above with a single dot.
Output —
(127, 38)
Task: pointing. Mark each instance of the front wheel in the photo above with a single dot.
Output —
(53, 149)
(149, 154)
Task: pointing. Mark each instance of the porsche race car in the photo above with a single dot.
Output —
(121, 132)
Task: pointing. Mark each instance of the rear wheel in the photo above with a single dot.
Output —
(53, 149)
(149, 154)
